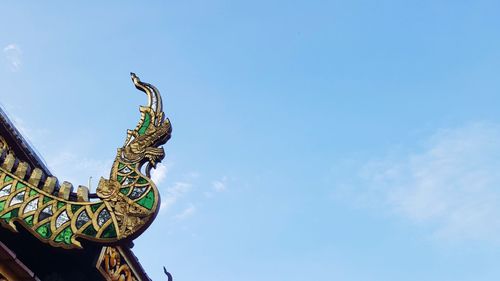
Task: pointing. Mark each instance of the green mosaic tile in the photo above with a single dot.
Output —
(145, 124)
(7, 216)
(94, 207)
(60, 205)
(148, 200)
(142, 180)
(29, 220)
(8, 179)
(90, 231)
(10, 215)
(20, 185)
(64, 236)
(44, 231)
(110, 232)
(75, 208)
(2, 205)
(33, 192)
(125, 190)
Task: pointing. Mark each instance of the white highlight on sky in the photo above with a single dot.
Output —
(13, 54)
(220, 185)
(186, 213)
(178, 190)
(452, 186)
(159, 174)
(79, 169)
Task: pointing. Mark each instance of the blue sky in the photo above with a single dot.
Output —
(312, 140)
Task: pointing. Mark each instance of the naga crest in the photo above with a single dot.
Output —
(153, 130)
(127, 202)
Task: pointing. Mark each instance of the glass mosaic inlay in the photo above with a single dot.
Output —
(18, 199)
(31, 206)
(137, 192)
(61, 219)
(103, 217)
(82, 219)
(5, 191)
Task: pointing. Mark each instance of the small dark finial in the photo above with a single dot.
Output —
(135, 79)
(133, 76)
(168, 274)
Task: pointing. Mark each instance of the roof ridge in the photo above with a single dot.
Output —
(25, 146)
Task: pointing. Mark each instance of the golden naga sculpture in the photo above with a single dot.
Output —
(128, 200)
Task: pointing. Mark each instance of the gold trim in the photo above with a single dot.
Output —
(114, 265)
(129, 200)
(5, 146)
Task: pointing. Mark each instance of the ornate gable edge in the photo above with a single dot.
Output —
(12, 140)
(117, 263)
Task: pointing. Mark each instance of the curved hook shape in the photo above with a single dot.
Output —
(169, 276)
(128, 201)
(154, 97)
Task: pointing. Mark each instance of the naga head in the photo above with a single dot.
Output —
(129, 199)
(143, 143)
(130, 192)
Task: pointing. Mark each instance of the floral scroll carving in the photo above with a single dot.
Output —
(114, 267)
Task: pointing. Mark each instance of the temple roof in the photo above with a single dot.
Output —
(25, 257)
(12, 268)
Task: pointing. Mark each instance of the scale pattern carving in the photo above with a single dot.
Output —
(128, 200)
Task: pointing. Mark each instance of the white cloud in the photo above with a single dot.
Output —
(159, 174)
(220, 185)
(186, 213)
(217, 187)
(193, 175)
(452, 186)
(178, 190)
(30, 134)
(66, 162)
(77, 169)
(13, 54)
